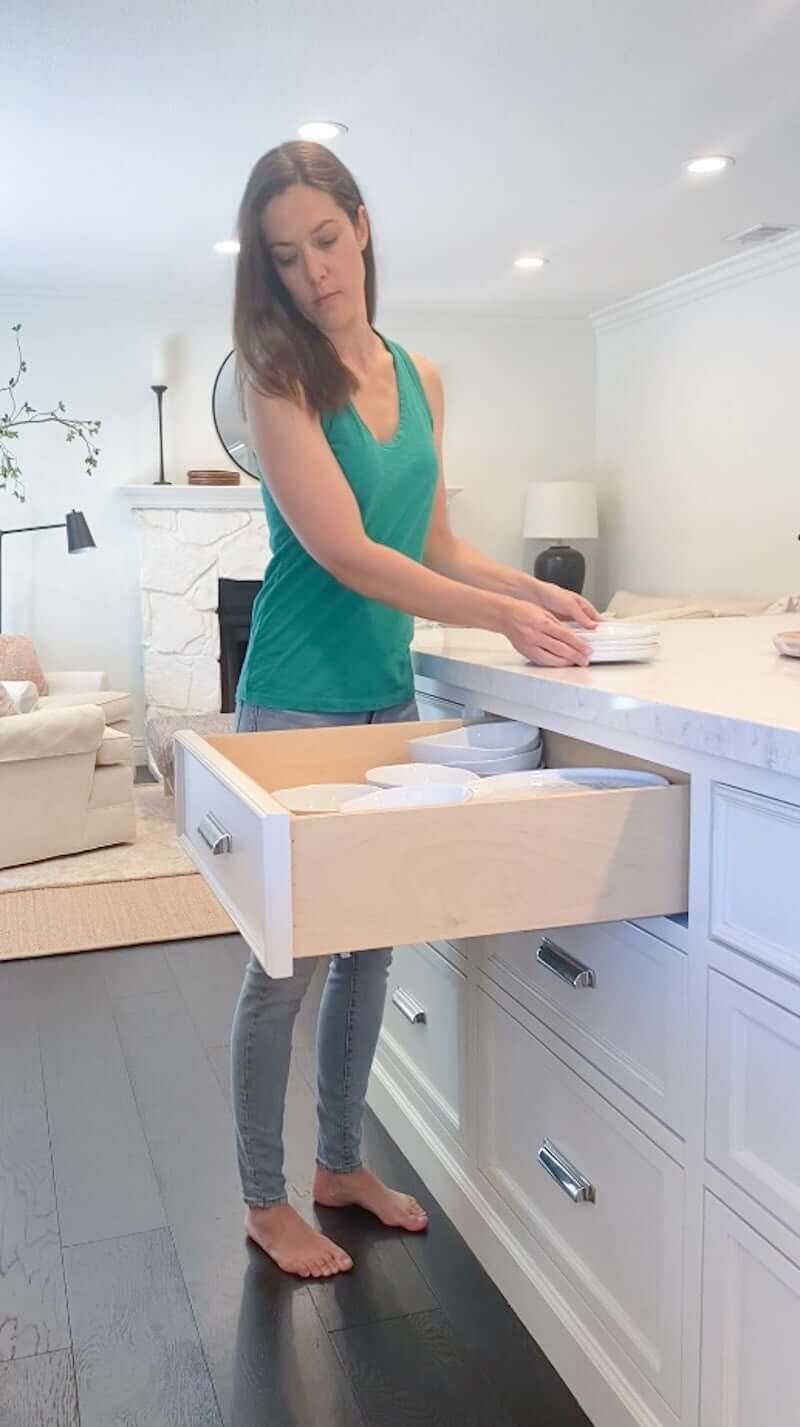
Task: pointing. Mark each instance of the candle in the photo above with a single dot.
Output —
(159, 365)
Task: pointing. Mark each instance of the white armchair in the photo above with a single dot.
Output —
(66, 772)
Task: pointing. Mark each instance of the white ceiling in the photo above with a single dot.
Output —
(477, 130)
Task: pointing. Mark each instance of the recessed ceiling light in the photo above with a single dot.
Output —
(529, 262)
(318, 130)
(228, 245)
(709, 163)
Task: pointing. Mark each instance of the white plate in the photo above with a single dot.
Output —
(608, 633)
(320, 797)
(553, 780)
(406, 775)
(421, 795)
(622, 656)
(464, 747)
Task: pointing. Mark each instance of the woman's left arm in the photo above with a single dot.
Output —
(448, 555)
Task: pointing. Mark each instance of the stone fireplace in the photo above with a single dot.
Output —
(202, 556)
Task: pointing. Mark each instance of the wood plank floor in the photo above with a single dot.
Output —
(128, 1293)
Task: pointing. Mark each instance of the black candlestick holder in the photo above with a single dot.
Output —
(159, 391)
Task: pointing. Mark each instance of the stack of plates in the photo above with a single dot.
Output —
(483, 748)
(213, 478)
(612, 642)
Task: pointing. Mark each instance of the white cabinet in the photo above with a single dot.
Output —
(755, 851)
(424, 1029)
(753, 1121)
(615, 993)
(346, 882)
(751, 1327)
(612, 1219)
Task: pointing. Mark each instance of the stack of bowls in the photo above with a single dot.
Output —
(486, 749)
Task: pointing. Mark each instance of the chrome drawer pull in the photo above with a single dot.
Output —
(564, 966)
(566, 1176)
(214, 834)
(408, 1007)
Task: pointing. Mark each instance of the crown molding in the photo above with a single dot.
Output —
(732, 272)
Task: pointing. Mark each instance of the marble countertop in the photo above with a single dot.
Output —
(718, 686)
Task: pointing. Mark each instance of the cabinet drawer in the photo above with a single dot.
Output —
(424, 1028)
(339, 882)
(615, 993)
(754, 1093)
(755, 848)
(622, 1248)
(751, 1327)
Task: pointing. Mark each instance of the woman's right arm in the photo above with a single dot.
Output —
(313, 495)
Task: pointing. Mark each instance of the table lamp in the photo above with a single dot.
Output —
(560, 511)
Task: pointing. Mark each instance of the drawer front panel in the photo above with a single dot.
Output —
(424, 1027)
(755, 848)
(620, 1240)
(348, 882)
(753, 1121)
(751, 1327)
(614, 992)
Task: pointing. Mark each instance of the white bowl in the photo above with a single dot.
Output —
(320, 797)
(406, 775)
(464, 747)
(518, 763)
(420, 795)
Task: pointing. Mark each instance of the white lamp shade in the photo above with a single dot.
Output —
(561, 510)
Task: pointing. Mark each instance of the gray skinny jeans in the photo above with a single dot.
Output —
(350, 1018)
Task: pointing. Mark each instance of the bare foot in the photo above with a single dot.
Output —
(398, 1211)
(293, 1244)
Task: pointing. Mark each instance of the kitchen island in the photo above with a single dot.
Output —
(610, 1112)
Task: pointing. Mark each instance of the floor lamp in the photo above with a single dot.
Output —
(79, 537)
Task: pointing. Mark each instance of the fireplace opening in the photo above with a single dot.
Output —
(234, 607)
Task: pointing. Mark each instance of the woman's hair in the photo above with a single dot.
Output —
(278, 349)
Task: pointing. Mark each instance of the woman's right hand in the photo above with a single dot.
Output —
(543, 639)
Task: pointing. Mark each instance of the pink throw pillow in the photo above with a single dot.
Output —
(7, 705)
(19, 660)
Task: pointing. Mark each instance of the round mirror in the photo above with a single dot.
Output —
(230, 420)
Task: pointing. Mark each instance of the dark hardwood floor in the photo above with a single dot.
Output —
(128, 1293)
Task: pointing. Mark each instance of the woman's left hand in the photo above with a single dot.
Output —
(565, 604)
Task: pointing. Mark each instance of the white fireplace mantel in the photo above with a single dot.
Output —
(184, 497)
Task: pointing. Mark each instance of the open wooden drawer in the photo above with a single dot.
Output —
(312, 885)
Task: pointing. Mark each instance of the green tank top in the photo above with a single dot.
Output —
(316, 646)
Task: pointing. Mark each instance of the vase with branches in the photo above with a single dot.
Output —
(22, 414)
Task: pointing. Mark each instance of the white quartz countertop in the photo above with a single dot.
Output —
(718, 686)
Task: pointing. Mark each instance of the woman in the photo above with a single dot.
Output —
(347, 427)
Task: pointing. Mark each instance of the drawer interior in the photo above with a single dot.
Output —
(387, 877)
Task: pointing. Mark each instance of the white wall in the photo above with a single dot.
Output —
(519, 406)
(698, 434)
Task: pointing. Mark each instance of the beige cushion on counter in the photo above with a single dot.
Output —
(626, 605)
(115, 705)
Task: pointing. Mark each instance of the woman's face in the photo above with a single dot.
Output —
(317, 253)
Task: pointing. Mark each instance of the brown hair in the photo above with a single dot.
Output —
(278, 349)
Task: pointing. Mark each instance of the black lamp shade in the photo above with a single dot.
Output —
(79, 536)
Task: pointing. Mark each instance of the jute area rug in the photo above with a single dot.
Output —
(146, 891)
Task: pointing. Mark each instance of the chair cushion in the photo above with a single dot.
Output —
(115, 705)
(116, 748)
(19, 660)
